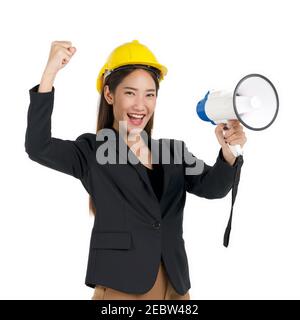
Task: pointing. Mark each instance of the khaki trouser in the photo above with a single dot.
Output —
(161, 290)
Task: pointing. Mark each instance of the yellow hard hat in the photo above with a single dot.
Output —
(126, 54)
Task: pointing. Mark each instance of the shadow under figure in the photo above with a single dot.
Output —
(161, 290)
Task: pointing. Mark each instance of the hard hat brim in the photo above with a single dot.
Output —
(162, 71)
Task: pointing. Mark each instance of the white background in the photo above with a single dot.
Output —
(44, 221)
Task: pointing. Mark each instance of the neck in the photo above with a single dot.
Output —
(131, 138)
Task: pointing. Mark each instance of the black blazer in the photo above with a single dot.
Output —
(132, 230)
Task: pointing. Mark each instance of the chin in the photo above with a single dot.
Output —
(135, 129)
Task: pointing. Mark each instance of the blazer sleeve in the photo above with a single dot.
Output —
(203, 180)
(67, 156)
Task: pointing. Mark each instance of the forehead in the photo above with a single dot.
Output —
(139, 78)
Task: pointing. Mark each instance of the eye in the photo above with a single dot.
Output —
(128, 92)
(151, 94)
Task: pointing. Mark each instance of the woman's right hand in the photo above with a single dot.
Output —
(60, 54)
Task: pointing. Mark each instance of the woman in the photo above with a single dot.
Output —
(136, 248)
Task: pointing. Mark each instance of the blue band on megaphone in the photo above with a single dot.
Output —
(201, 109)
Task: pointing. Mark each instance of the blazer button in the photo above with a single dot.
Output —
(156, 225)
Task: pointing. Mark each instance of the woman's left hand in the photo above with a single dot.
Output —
(235, 135)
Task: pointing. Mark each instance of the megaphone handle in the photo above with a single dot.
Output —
(235, 149)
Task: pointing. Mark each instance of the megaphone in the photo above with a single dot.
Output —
(254, 102)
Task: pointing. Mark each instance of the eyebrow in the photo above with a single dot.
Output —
(135, 89)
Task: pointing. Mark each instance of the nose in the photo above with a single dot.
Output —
(140, 103)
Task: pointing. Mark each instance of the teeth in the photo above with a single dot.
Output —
(137, 116)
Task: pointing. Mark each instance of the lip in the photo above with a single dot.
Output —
(128, 113)
(139, 122)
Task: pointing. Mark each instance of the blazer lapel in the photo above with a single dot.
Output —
(124, 154)
(166, 168)
(123, 151)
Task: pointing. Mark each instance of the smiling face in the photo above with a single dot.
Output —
(134, 100)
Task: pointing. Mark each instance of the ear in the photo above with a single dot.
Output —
(107, 95)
